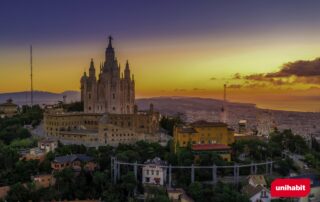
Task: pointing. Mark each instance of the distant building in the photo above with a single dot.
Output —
(33, 154)
(203, 133)
(43, 181)
(109, 116)
(39, 153)
(223, 150)
(265, 123)
(8, 109)
(74, 161)
(258, 193)
(242, 126)
(154, 172)
(47, 145)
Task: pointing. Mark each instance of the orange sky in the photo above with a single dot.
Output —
(180, 66)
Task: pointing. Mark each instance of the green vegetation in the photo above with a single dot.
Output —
(220, 193)
(73, 107)
(168, 123)
(11, 129)
(85, 185)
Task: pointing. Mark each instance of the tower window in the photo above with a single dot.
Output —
(89, 96)
(113, 96)
(113, 108)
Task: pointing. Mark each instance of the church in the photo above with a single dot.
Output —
(110, 116)
(113, 91)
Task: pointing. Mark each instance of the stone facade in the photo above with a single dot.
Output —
(93, 129)
(111, 92)
(109, 116)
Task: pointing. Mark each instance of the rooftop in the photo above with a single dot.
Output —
(156, 161)
(250, 190)
(257, 179)
(72, 157)
(47, 141)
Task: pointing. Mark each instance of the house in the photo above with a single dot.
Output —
(178, 195)
(43, 181)
(75, 161)
(47, 145)
(33, 154)
(257, 193)
(256, 180)
(154, 172)
(204, 133)
(223, 150)
(39, 153)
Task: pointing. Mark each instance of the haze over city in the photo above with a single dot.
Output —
(266, 52)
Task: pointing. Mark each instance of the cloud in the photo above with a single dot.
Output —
(300, 68)
(301, 71)
(180, 90)
(256, 85)
(235, 86)
(236, 76)
(199, 89)
(213, 78)
(264, 78)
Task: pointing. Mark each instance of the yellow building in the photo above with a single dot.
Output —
(204, 133)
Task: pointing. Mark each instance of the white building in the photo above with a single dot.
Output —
(257, 194)
(154, 172)
(47, 145)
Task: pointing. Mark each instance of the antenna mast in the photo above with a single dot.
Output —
(31, 76)
(225, 92)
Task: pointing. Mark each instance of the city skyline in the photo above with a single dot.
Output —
(172, 51)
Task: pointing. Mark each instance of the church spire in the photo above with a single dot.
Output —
(127, 71)
(110, 56)
(92, 70)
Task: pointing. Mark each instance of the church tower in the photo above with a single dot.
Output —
(111, 93)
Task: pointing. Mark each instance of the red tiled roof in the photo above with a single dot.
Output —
(203, 147)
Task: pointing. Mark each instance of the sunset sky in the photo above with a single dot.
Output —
(266, 51)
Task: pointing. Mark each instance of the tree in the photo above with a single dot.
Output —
(168, 123)
(195, 191)
(73, 107)
(18, 192)
(65, 183)
(128, 183)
